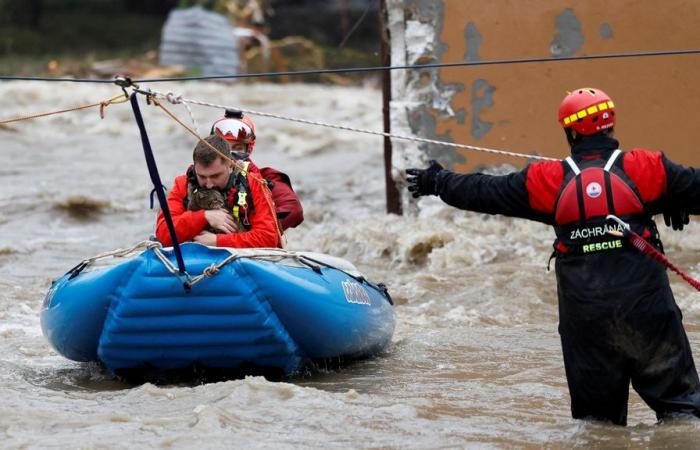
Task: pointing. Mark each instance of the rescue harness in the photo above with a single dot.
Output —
(591, 191)
(236, 193)
(587, 208)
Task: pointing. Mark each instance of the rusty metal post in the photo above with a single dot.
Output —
(393, 199)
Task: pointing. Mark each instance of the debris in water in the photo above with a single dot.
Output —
(82, 207)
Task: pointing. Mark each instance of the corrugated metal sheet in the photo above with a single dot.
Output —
(195, 38)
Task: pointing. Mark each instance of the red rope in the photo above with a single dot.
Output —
(645, 247)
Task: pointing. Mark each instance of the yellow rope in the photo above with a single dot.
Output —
(121, 98)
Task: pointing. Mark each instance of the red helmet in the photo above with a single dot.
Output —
(234, 130)
(587, 110)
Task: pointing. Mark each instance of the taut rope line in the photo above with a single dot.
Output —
(178, 99)
(358, 130)
(121, 98)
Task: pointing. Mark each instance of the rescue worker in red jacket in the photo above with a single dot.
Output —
(618, 320)
(288, 207)
(248, 219)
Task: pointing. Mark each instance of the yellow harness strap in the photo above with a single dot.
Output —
(241, 201)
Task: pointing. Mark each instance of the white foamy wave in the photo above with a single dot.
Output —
(444, 239)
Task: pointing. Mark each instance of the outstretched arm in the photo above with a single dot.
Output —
(506, 194)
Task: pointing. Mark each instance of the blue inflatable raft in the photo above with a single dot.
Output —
(259, 308)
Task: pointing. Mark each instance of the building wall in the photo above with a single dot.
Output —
(514, 107)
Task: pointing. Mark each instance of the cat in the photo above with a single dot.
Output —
(201, 198)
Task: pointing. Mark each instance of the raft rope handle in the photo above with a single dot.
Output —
(118, 253)
(157, 249)
(213, 269)
(123, 252)
(301, 259)
(103, 104)
(184, 278)
(645, 247)
(361, 130)
(263, 183)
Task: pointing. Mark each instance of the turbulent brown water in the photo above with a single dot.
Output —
(475, 360)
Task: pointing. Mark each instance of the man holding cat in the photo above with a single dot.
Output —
(248, 219)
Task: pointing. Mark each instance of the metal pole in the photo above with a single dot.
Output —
(393, 199)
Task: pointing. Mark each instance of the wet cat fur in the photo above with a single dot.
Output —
(206, 199)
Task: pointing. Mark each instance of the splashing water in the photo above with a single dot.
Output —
(475, 360)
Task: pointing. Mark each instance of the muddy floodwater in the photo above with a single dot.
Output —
(475, 361)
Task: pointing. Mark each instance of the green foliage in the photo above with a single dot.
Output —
(77, 32)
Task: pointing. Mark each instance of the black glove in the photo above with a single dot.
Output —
(676, 218)
(424, 181)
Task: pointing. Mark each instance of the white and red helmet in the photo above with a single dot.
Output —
(234, 130)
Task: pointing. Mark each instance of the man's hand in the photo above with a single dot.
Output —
(206, 238)
(424, 181)
(221, 219)
(676, 218)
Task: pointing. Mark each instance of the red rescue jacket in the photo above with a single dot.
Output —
(289, 211)
(262, 230)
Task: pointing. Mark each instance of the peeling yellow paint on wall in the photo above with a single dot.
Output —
(654, 96)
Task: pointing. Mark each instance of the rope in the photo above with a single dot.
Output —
(176, 100)
(360, 130)
(212, 270)
(646, 248)
(184, 277)
(270, 254)
(123, 252)
(374, 68)
(121, 98)
(263, 183)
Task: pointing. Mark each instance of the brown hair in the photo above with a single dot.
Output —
(205, 155)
